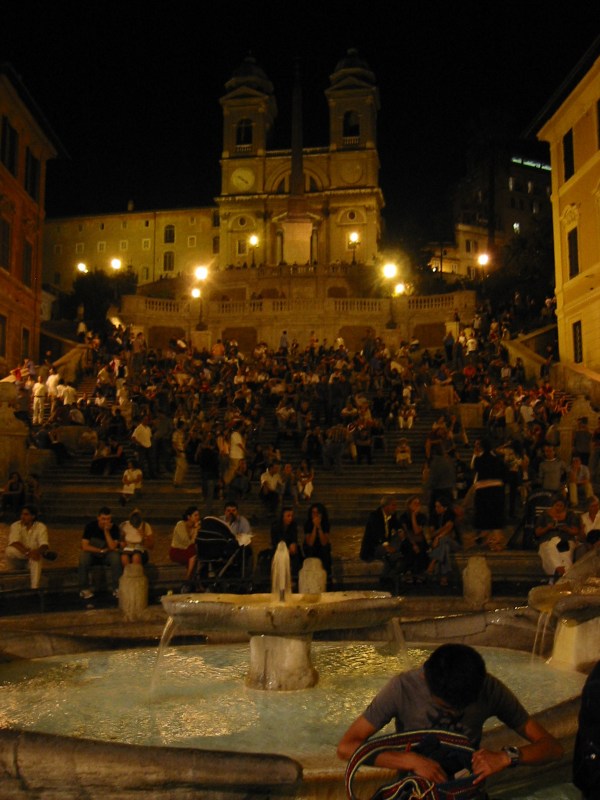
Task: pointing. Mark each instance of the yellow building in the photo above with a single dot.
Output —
(26, 144)
(570, 123)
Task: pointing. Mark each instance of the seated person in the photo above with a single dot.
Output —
(452, 691)
(285, 530)
(136, 539)
(443, 537)
(13, 493)
(132, 482)
(317, 541)
(28, 544)
(99, 546)
(381, 540)
(403, 453)
(183, 541)
(558, 532)
(590, 524)
(305, 476)
(412, 524)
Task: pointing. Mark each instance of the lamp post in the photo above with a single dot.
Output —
(200, 274)
(116, 264)
(483, 260)
(253, 242)
(390, 270)
(353, 243)
(82, 268)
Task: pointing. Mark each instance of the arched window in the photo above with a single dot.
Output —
(351, 129)
(243, 132)
(168, 261)
(169, 234)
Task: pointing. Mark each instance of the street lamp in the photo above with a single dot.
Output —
(353, 242)
(253, 242)
(116, 264)
(81, 267)
(483, 260)
(389, 271)
(201, 273)
(196, 293)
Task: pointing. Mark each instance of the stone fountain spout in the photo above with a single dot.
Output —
(574, 601)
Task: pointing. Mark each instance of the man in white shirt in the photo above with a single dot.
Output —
(28, 544)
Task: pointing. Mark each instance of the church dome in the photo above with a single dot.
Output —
(352, 65)
(250, 74)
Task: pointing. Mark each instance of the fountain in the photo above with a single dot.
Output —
(280, 624)
(574, 602)
(175, 764)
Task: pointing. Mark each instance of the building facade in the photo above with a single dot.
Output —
(307, 208)
(26, 144)
(504, 194)
(571, 125)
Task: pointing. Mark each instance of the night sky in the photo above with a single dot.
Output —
(131, 88)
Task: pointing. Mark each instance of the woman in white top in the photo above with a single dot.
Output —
(183, 542)
(136, 539)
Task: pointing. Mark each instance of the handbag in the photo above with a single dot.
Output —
(452, 751)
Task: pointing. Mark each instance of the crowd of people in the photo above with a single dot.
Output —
(154, 411)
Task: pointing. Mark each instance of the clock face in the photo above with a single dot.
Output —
(243, 179)
(351, 171)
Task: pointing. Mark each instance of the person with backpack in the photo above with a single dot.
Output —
(451, 692)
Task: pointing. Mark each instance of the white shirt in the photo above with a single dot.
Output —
(31, 538)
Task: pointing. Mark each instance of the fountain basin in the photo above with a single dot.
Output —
(299, 614)
(281, 630)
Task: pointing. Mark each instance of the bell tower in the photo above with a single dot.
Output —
(249, 109)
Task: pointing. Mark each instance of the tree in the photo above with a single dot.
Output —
(97, 291)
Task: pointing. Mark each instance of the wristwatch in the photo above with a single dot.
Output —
(514, 755)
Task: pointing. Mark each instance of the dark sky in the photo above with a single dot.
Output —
(131, 88)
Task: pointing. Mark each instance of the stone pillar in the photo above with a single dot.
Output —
(281, 663)
(13, 434)
(312, 578)
(477, 582)
(133, 591)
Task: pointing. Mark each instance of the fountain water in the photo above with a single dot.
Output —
(281, 624)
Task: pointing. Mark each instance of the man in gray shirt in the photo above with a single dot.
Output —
(452, 692)
(552, 471)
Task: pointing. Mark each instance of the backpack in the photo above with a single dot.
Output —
(451, 750)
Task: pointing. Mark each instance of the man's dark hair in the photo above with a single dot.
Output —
(31, 508)
(104, 511)
(455, 673)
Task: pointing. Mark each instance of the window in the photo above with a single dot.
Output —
(169, 261)
(573, 252)
(577, 342)
(568, 155)
(242, 247)
(351, 125)
(468, 245)
(511, 184)
(9, 147)
(123, 224)
(169, 237)
(243, 133)
(191, 241)
(57, 278)
(216, 244)
(192, 220)
(145, 244)
(27, 263)
(25, 342)
(5, 243)
(3, 323)
(32, 175)
(80, 228)
(58, 249)
(101, 247)
(123, 244)
(216, 219)
(145, 273)
(79, 248)
(146, 223)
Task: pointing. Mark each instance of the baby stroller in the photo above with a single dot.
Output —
(222, 564)
(524, 537)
